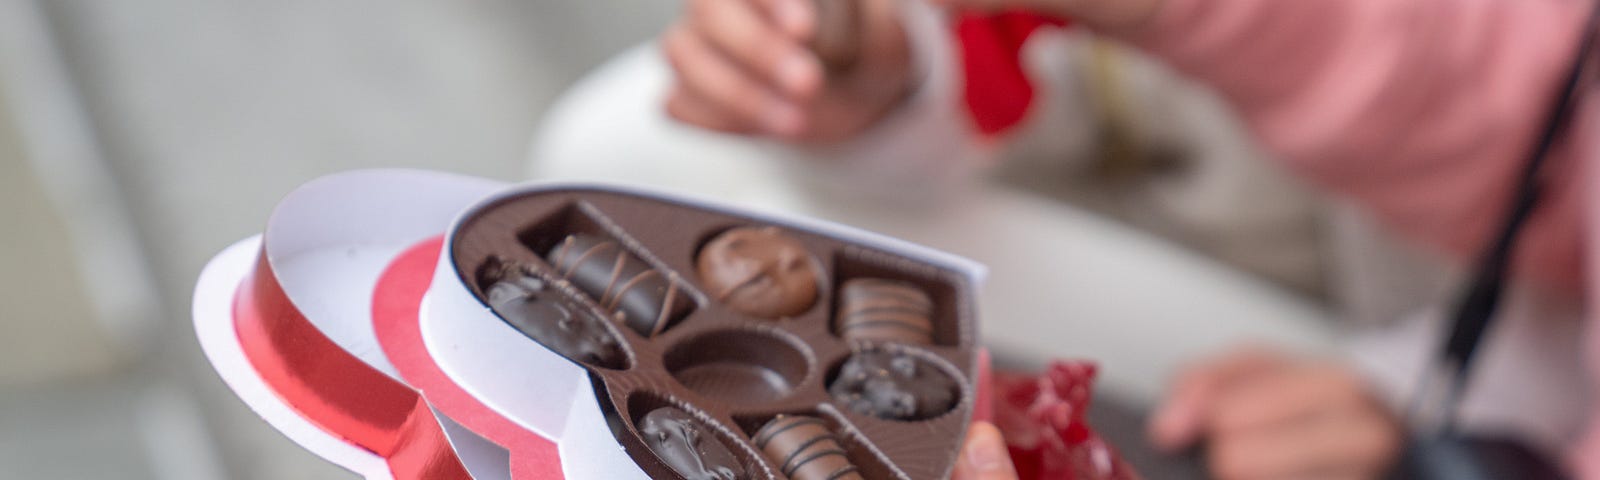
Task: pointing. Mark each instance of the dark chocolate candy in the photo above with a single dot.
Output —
(760, 271)
(685, 444)
(881, 310)
(804, 449)
(545, 315)
(639, 296)
(893, 385)
(837, 41)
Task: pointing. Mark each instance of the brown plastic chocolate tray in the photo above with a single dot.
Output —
(730, 371)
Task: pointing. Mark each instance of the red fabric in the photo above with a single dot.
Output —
(997, 90)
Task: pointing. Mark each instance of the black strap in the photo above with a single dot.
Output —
(1475, 311)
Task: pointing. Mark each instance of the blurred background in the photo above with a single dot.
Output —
(137, 139)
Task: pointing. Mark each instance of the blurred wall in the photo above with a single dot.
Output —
(48, 327)
(209, 111)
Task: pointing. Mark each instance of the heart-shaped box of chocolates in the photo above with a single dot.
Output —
(725, 345)
(590, 331)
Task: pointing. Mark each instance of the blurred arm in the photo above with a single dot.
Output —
(1421, 110)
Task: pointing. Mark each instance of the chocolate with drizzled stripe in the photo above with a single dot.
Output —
(875, 309)
(641, 297)
(803, 448)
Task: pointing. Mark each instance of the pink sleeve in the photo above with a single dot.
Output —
(1421, 110)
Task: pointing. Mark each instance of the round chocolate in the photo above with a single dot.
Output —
(761, 272)
(881, 310)
(837, 40)
(639, 296)
(804, 449)
(893, 385)
(685, 444)
(569, 328)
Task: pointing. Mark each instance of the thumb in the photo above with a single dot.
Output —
(984, 456)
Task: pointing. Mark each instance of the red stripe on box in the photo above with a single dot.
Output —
(334, 389)
(395, 313)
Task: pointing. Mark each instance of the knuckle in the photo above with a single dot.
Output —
(744, 98)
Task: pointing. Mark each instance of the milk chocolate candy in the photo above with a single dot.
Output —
(628, 288)
(879, 310)
(837, 41)
(684, 444)
(893, 385)
(760, 271)
(528, 304)
(803, 448)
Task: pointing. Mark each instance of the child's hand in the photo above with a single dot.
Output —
(742, 66)
(1269, 416)
(1101, 14)
(984, 456)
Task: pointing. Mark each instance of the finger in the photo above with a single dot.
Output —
(688, 108)
(708, 75)
(1287, 397)
(1178, 422)
(984, 456)
(797, 18)
(742, 32)
(1352, 443)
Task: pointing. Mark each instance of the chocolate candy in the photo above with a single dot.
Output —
(569, 328)
(893, 385)
(837, 41)
(803, 448)
(628, 288)
(684, 444)
(886, 311)
(761, 272)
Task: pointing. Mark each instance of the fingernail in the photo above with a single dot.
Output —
(987, 452)
(797, 73)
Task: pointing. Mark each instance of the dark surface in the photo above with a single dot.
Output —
(685, 445)
(1477, 458)
(1122, 425)
(894, 386)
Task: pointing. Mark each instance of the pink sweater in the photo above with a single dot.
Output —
(1422, 110)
